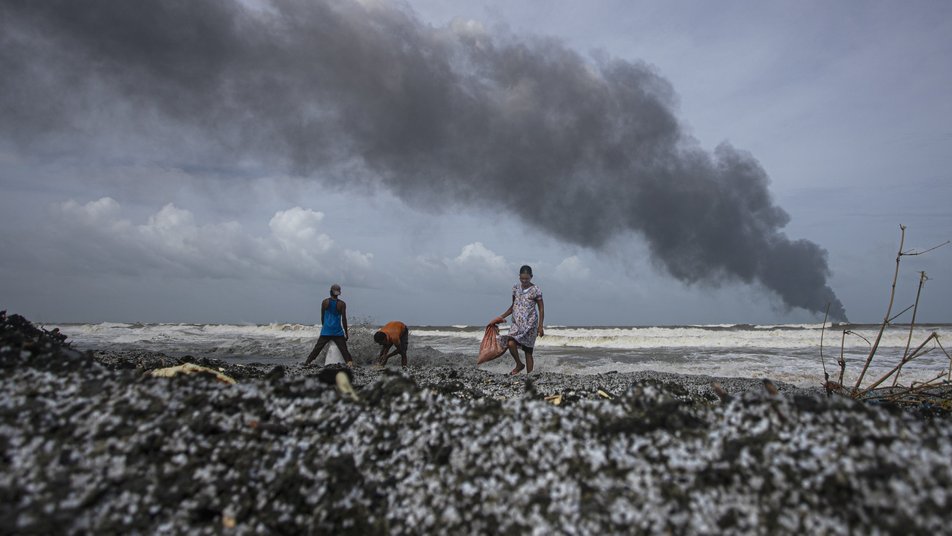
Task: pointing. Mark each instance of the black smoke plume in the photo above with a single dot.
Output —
(586, 149)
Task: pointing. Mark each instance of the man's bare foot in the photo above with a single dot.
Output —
(350, 364)
(529, 363)
(517, 370)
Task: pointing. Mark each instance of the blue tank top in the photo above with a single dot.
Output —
(331, 325)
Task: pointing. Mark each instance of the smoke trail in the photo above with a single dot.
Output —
(584, 149)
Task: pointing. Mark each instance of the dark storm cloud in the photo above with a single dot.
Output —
(584, 149)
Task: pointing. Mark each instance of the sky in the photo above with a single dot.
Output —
(655, 162)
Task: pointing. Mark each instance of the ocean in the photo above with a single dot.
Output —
(785, 352)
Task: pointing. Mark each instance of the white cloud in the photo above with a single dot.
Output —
(167, 219)
(172, 243)
(429, 264)
(94, 212)
(297, 228)
(358, 259)
(571, 268)
(468, 27)
(476, 256)
(476, 268)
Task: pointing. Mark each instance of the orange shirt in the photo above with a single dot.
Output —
(393, 330)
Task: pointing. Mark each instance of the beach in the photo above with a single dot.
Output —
(789, 353)
(92, 443)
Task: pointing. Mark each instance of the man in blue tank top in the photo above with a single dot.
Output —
(333, 327)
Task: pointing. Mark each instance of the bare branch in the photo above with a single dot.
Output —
(914, 252)
(904, 360)
(848, 332)
(892, 296)
(897, 315)
(922, 280)
(826, 376)
(842, 359)
(944, 351)
(918, 386)
(919, 353)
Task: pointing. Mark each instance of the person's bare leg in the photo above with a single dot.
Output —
(515, 355)
(529, 362)
(404, 343)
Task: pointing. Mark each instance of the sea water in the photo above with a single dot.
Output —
(786, 352)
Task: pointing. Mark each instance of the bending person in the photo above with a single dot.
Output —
(526, 320)
(393, 334)
(333, 327)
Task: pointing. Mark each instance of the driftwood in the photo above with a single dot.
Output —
(905, 359)
(892, 296)
(912, 324)
(937, 391)
(842, 361)
(826, 376)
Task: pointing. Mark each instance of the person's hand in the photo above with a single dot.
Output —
(497, 320)
(541, 331)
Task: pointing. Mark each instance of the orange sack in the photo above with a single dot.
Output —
(490, 349)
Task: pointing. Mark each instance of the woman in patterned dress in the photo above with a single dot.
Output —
(526, 320)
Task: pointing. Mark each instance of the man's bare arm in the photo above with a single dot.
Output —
(343, 319)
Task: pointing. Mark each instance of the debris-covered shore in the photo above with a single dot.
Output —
(91, 443)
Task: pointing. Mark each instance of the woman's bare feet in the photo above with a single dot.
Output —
(517, 370)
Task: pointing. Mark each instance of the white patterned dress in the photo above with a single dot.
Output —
(525, 316)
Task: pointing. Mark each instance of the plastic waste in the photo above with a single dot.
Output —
(333, 356)
(490, 348)
(189, 368)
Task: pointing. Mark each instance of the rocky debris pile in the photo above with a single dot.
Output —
(23, 344)
(926, 401)
(86, 449)
(460, 381)
(145, 361)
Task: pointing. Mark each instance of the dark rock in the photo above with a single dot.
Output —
(328, 373)
(449, 387)
(389, 388)
(276, 373)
